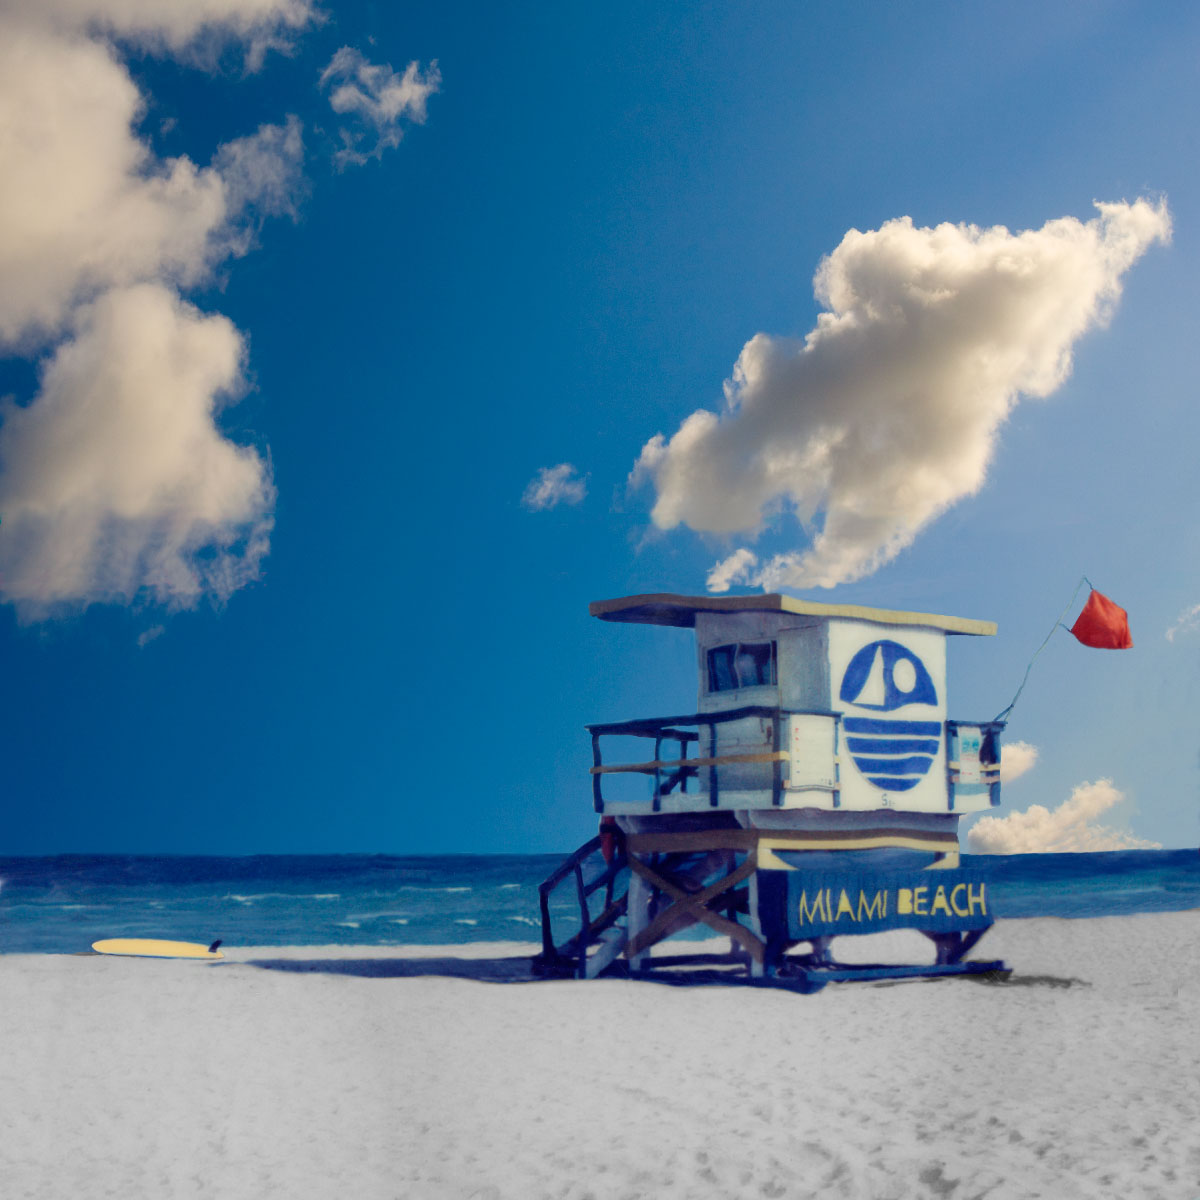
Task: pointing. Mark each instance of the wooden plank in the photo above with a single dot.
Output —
(612, 942)
(699, 839)
(669, 608)
(648, 768)
(789, 839)
(694, 904)
(650, 726)
(673, 888)
(934, 844)
(827, 836)
(638, 914)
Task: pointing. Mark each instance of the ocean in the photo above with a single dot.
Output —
(61, 904)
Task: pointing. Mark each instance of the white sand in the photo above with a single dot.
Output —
(342, 1073)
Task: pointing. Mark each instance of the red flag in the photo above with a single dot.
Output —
(1103, 624)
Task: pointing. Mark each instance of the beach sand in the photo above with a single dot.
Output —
(361, 1073)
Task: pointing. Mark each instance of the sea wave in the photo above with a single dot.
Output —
(256, 896)
(452, 900)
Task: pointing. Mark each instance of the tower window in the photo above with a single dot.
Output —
(744, 664)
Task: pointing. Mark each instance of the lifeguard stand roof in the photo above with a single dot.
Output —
(666, 608)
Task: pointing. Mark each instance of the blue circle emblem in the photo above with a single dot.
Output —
(894, 753)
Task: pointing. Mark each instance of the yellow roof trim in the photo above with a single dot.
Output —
(667, 608)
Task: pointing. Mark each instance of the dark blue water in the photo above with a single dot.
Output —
(64, 903)
(1115, 883)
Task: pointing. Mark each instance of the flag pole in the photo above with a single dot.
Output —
(1004, 713)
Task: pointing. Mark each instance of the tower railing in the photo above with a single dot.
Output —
(670, 773)
(571, 955)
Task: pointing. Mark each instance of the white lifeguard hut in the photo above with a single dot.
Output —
(817, 781)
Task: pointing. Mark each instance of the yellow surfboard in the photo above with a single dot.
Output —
(157, 948)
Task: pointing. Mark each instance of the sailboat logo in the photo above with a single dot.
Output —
(895, 754)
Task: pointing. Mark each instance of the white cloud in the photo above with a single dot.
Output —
(1015, 759)
(85, 205)
(261, 174)
(739, 564)
(115, 482)
(382, 100)
(1070, 828)
(887, 413)
(182, 29)
(552, 486)
(1187, 621)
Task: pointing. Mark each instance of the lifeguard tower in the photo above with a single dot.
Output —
(815, 792)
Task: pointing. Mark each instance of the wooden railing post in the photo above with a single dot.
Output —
(777, 772)
(712, 770)
(597, 797)
(657, 773)
(548, 947)
(585, 917)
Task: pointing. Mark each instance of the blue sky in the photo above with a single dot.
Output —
(324, 619)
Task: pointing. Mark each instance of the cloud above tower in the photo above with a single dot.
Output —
(887, 413)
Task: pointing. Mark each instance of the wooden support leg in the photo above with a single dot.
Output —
(968, 941)
(758, 966)
(953, 947)
(820, 950)
(947, 945)
(638, 917)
